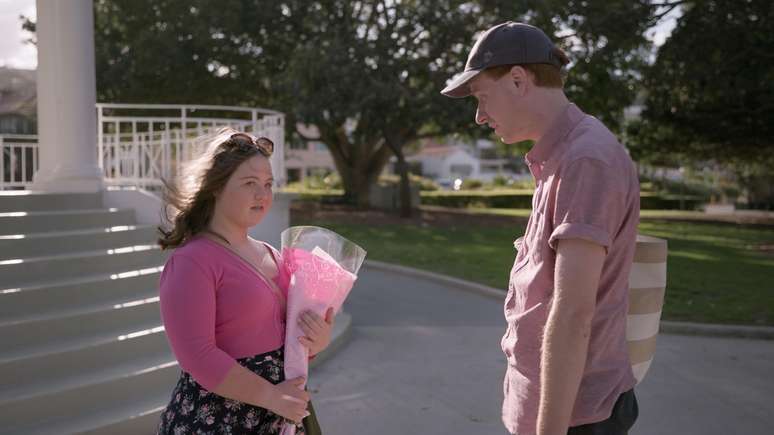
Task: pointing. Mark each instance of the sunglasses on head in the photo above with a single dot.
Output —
(264, 144)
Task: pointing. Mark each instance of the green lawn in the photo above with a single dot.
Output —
(715, 272)
(644, 214)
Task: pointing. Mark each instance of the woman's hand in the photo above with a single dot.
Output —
(317, 330)
(289, 400)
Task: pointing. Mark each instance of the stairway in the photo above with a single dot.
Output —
(82, 349)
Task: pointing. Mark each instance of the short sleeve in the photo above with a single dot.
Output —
(187, 299)
(589, 203)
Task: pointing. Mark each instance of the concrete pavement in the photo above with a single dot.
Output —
(425, 358)
(708, 386)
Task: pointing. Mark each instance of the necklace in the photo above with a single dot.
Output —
(219, 236)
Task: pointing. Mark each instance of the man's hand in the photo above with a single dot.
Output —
(317, 330)
(566, 339)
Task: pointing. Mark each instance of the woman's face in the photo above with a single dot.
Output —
(247, 196)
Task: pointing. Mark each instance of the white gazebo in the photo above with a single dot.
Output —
(84, 350)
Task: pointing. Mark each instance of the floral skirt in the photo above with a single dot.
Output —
(195, 410)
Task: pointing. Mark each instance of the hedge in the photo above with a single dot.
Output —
(508, 199)
(523, 199)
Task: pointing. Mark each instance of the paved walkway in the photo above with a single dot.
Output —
(426, 359)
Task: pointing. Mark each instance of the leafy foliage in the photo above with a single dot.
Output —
(709, 94)
(367, 74)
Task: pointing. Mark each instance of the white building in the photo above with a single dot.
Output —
(17, 101)
(445, 163)
(307, 158)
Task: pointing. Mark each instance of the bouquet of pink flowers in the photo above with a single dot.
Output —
(323, 268)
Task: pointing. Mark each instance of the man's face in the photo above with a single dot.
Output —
(504, 104)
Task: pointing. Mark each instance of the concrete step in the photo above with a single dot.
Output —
(33, 374)
(93, 405)
(38, 390)
(25, 200)
(75, 294)
(21, 246)
(14, 223)
(140, 416)
(144, 420)
(15, 273)
(37, 336)
(82, 346)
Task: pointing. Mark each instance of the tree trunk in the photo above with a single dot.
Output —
(357, 185)
(359, 166)
(395, 142)
(405, 184)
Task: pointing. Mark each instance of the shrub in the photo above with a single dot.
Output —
(425, 184)
(523, 199)
(471, 184)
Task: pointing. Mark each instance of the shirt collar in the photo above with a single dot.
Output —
(552, 145)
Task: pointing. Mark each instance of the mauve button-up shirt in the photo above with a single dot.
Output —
(586, 188)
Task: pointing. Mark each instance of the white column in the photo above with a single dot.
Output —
(66, 85)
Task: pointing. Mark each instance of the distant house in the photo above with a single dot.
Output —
(446, 162)
(307, 158)
(18, 111)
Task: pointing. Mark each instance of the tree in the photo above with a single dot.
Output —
(199, 51)
(366, 73)
(605, 41)
(382, 63)
(709, 95)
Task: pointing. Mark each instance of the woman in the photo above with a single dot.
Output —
(223, 295)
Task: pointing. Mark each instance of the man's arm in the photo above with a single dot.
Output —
(566, 337)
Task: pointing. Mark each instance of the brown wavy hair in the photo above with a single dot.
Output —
(189, 201)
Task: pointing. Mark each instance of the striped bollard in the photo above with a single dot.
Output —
(647, 284)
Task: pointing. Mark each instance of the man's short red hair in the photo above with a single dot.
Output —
(546, 76)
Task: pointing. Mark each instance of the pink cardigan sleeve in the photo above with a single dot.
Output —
(187, 299)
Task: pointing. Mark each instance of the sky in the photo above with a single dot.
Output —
(14, 53)
(661, 32)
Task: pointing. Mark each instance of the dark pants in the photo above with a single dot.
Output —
(311, 425)
(622, 419)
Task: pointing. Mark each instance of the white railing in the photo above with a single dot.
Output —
(139, 145)
(18, 160)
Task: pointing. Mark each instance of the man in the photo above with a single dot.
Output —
(568, 368)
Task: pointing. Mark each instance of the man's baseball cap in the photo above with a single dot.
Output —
(504, 44)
